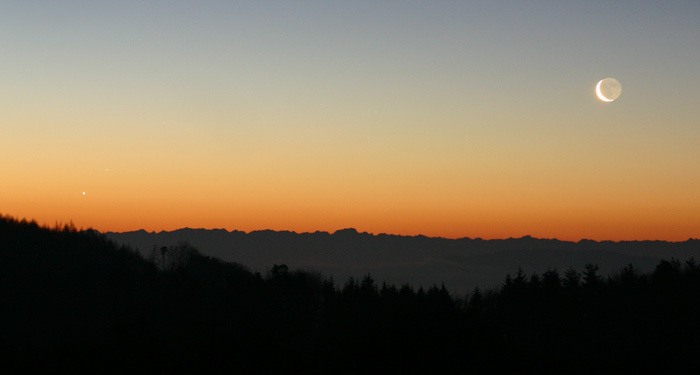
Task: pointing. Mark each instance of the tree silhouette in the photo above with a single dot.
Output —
(572, 279)
(173, 257)
(591, 279)
(71, 300)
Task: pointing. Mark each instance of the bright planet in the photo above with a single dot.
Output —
(608, 89)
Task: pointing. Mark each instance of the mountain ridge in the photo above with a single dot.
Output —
(461, 264)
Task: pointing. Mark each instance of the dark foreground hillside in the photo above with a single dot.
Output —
(72, 299)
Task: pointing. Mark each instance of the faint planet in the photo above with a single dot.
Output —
(608, 89)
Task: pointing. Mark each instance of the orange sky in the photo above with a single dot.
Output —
(455, 120)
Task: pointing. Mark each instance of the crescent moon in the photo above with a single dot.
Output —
(600, 94)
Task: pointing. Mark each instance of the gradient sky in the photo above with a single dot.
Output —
(442, 118)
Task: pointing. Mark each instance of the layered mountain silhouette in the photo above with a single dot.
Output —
(461, 264)
(74, 301)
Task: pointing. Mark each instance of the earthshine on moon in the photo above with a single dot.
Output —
(608, 89)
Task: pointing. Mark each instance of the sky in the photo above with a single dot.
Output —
(442, 118)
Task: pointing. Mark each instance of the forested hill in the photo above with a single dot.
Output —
(461, 264)
(73, 300)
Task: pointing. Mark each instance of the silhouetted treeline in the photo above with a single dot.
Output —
(72, 299)
(461, 264)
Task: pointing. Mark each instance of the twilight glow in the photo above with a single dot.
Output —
(453, 119)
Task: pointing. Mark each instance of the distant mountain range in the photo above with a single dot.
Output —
(461, 264)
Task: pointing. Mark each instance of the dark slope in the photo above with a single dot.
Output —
(63, 291)
(73, 300)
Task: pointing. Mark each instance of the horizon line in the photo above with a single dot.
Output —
(527, 236)
(71, 224)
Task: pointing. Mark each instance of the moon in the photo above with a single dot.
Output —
(608, 89)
